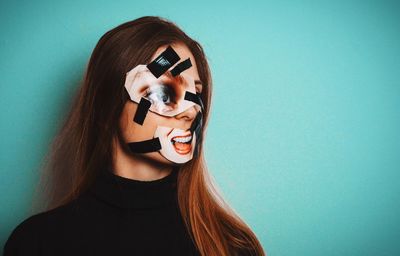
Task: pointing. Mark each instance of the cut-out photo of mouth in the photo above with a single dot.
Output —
(177, 145)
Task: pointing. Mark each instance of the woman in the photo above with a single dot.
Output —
(127, 171)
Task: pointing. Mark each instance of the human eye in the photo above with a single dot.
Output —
(199, 87)
(160, 94)
(162, 97)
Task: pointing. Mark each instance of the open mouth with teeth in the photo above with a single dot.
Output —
(182, 144)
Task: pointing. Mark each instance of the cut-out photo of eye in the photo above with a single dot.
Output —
(162, 97)
(166, 93)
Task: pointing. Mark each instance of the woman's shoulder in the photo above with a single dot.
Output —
(25, 237)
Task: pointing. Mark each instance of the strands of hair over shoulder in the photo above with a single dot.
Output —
(84, 143)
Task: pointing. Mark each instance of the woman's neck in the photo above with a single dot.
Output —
(137, 167)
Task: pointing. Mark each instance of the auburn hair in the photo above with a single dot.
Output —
(84, 141)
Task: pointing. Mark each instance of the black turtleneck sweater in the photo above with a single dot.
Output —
(116, 216)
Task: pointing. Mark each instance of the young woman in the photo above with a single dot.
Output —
(127, 170)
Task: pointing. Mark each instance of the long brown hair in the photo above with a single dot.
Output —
(83, 145)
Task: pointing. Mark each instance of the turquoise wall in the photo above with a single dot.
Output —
(304, 134)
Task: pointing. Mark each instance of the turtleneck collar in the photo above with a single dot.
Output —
(129, 193)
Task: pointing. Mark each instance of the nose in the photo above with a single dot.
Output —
(187, 115)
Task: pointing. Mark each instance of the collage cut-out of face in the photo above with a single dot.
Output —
(167, 90)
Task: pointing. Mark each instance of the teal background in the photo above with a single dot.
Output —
(304, 134)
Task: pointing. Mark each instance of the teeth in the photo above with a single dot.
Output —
(182, 140)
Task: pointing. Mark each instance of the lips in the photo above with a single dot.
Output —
(182, 143)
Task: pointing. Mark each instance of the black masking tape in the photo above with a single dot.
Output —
(194, 98)
(163, 62)
(145, 146)
(141, 111)
(180, 67)
(196, 128)
(196, 122)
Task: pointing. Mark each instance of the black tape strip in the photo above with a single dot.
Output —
(196, 122)
(145, 146)
(201, 102)
(141, 111)
(163, 62)
(180, 67)
(194, 98)
(196, 128)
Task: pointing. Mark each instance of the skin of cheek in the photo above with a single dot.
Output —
(133, 132)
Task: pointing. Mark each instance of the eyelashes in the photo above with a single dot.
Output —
(159, 93)
(161, 96)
